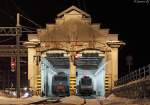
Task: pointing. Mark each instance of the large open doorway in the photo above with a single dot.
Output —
(90, 77)
(55, 73)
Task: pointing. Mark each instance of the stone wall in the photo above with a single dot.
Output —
(136, 89)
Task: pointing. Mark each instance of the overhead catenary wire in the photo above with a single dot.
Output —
(16, 6)
(2, 41)
(7, 14)
(31, 21)
(27, 27)
(7, 10)
(18, 10)
(24, 15)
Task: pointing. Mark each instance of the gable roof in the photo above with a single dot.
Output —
(71, 9)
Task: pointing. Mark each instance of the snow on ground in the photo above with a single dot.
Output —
(10, 101)
(92, 102)
(114, 100)
(76, 100)
(72, 100)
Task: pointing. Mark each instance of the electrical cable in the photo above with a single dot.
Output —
(10, 16)
(29, 27)
(30, 21)
(2, 41)
(24, 15)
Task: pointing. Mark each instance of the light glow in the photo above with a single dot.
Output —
(25, 88)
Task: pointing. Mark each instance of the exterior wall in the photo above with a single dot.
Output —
(114, 60)
(90, 36)
(72, 69)
(33, 65)
(112, 65)
(33, 68)
(72, 75)
(108, 66)
(71, 15)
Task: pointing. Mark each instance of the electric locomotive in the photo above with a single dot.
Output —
(85, 86)
(60, 84)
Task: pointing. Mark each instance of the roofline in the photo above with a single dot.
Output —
(70, 8)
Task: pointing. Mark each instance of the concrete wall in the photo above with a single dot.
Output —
(134, 90)
(32, 68)
(100, 79)
(47, 72)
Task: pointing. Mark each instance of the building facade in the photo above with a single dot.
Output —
(75, 36)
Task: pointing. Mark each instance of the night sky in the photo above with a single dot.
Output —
(128, 18)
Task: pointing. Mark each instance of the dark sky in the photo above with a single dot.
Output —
(128, 18)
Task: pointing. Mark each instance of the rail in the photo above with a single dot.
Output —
(141, 73)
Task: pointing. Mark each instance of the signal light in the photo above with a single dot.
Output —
(78, 56)
(13, 64)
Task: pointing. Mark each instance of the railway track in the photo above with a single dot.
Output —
(73, 100)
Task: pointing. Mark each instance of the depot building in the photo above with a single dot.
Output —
(76, 47)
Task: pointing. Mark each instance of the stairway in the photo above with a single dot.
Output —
(108, 84)
(38, 84)
(72, 85)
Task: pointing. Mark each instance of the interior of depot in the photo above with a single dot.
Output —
(89, 64)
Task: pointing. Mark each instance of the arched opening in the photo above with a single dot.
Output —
(90, 63)
(54, 62)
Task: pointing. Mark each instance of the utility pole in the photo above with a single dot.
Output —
(14, 31)
(18, 32)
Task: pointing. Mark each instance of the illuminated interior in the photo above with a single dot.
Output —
(52, 64)
(91, 65)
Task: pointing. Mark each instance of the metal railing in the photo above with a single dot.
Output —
(141, 73)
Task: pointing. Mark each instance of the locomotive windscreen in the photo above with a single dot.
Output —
(60, 85)
(85, 86)
(86, 81)
(60, 78)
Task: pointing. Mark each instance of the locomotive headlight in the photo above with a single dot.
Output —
(26, 94)
(25, 88)
(60, 83)
(14, 93)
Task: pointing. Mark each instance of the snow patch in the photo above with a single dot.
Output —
(72, 100)
(6, 100)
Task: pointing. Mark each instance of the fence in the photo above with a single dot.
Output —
(141, 73)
